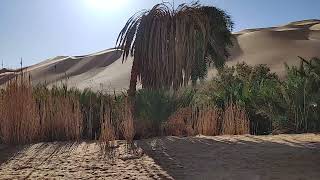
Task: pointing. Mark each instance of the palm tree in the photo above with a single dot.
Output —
(168, 44)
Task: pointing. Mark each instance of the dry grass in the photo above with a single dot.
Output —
(208, 121)
(235, 120)
(117, 122)
(127, 121)
(19, 118)
(180, 123)
(108, 133)
(61, 118)
(26, 118)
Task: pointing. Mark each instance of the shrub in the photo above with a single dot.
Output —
(152, 108)
(300, 98)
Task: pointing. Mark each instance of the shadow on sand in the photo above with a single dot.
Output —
(231, 158)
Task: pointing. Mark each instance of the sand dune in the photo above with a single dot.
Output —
(294, 157)
(104, 70)
(277, 45)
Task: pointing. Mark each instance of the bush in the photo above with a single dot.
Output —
(152, 108)
(300, 98)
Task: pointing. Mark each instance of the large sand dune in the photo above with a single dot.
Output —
(281, 157)
(104, 70)
(278, 45)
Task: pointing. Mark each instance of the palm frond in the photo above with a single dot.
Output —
(168, 43)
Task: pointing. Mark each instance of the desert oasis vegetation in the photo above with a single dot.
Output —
(181, 94)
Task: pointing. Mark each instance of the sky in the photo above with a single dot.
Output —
(36, 30)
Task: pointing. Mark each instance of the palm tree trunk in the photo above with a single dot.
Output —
(133, 80)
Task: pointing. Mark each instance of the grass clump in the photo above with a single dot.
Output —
(19, 118)
(31, 114)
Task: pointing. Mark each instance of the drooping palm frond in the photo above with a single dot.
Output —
(167, 43)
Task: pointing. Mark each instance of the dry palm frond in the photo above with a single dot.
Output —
(165, 42)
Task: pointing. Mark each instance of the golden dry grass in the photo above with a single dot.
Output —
(117, 122)
(180, 123)
(26, 119)
(208, 121)
(107, 130)
(127, 121)
(19, 118)
(235, 120)
(61, 118)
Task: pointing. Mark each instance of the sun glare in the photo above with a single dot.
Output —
(106, 5)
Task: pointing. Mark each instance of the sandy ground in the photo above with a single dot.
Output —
(224, 157)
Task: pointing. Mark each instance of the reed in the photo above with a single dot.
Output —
(127, 121)
(61, 118)
(37, 114)
(19, 116)
(117, 120)
(180, 123)
(208, 121)
(235, 120)
(107, 134)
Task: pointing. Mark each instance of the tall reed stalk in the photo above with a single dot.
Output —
(127, 121)
(235, 120)
(208, 121)
(19, 118)
(37, 114)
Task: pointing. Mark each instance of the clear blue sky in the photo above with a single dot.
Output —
(39, 29)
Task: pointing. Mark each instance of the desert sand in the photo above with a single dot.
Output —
(104, 70)
(294, 157)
